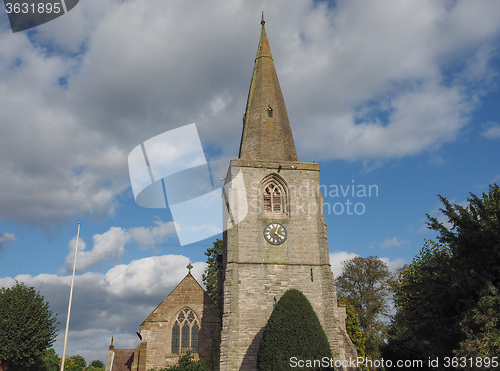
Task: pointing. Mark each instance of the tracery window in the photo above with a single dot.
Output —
(185, 332)
(275, 198)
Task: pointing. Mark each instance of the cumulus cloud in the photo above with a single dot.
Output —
(107, 246)
(386, 79)
(110, 245)
(147, 237)
(379, 80)
(6, 238)
(111, 303)
(339, 257)
(393, 242)
(491, 131)
(149, 275)
(394, 264)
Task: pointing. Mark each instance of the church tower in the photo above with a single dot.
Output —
(282, 242)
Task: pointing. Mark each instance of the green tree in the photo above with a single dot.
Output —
(187, 363)
(481, 327)
(366, 283)
(448, 297)
(75, 363)
(27, 328)
(293, 330)
(96, 365)
(51, 360)
(210, 275)
(473, 237)
(353, 330)
(426, 323)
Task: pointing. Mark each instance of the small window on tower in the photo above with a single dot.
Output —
(269, 111)
(274, 197)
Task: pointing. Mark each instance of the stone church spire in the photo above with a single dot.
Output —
(266, 130)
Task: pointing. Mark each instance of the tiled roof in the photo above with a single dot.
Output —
(122, 360)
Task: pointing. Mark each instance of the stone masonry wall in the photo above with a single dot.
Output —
(156, 330)
(257, 273)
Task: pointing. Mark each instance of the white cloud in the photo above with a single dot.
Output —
(492, 130)
(389, 60)
(107, 246)
(362, 80)
(394, 264)
(6, 238)
(337, 258)
(111, 303)
(152, 236)
(148, 276)
(393, 242)
(110, 245)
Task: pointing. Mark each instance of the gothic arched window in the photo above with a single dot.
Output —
(275, 197)
(185, 331)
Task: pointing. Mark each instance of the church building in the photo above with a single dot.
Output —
(280, 244)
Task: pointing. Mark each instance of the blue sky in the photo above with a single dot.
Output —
(400, 96)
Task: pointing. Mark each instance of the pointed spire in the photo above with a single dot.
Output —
(266, 130)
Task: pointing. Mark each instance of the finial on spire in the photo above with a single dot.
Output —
(263, 22)
(189, 266)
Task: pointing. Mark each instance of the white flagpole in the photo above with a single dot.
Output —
(70, 299)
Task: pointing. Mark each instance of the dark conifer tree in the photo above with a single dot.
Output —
(293, 330)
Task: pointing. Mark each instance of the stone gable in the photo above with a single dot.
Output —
(155, 350)
(156, 330)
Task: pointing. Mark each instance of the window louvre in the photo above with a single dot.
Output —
(274, 197)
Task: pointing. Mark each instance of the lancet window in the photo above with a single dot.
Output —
(275, 197)
(185, 332)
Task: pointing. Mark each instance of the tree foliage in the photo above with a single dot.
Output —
(74, 363)
(473, 237)
(366, 285)
(51, 360)
(425, 308)
(448, 297)
(293, 330)
(27, 328)
(353, 330)
(187, 363)
(210, 275)
(481, 327)
(95, 365)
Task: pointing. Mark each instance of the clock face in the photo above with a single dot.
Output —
(275, 233)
